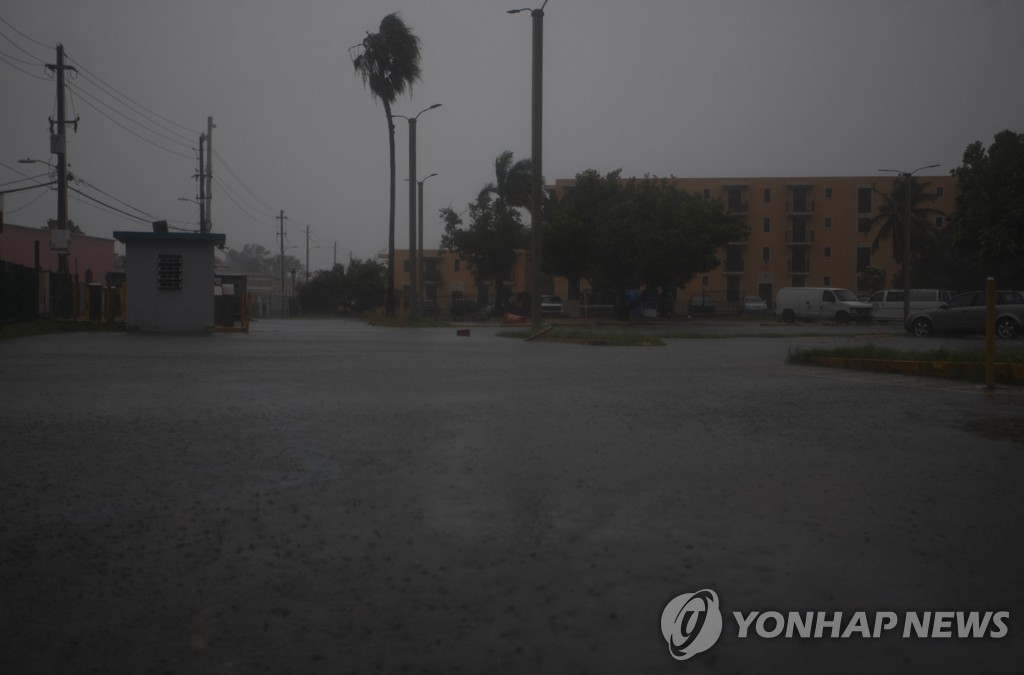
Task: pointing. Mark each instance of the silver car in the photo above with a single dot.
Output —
(965, 313)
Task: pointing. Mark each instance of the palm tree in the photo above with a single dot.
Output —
(892, 212)
(510, 190)
(389, 63)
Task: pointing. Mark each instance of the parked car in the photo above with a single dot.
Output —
(888, 305)
(551, 305)
(753, 303)
(965, 313)
(702, 304)
(820, 303)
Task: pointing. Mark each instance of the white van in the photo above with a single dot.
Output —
(821, 303)
(888, 305)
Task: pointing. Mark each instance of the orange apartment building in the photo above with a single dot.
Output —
(803, 232)
(812, 231)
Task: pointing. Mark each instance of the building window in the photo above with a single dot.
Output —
(828, 252)
(767, 195)
(766, 224)
(828, 221)
(939, 192)
(863, 258)
(405, 265)
(827, 281)
(864, 200)
(766, 254)
(705, 281)
(864, 225)
(828, 193)
(168, 272)
(732, 289)
(707, 193)
(458, 264)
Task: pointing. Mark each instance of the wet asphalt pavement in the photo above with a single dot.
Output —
(331, 497)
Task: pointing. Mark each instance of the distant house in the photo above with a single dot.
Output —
(169, 279)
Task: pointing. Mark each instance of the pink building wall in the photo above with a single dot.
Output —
(86, 254)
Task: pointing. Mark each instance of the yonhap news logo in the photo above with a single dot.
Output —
(691, 623)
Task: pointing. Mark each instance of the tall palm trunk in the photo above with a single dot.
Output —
(389, 298)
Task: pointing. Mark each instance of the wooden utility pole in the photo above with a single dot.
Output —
(281, 218)
(208, 223)
(202, 185)
(58, 146)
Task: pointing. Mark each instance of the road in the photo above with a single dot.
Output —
(331, 497)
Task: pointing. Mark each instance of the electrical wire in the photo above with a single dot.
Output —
(30, 39)
(133, 105)
(245, 187)
(3, 57)
(110, 196)
(133, 133)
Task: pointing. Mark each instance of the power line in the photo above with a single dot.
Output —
(30, 39)
(84, 93)
(133, 105)
(110, 196)
(241, 182)
(133, 133)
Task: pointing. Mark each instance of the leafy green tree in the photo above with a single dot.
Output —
(987, 228)
(872, 278)
(360, 286)
(888, 223)
(389, 63)
(495, 233)
(638, 233)
(255, 259)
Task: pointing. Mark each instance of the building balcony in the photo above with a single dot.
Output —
(799, 267)
(431, 276)
(735, 269)
(799, 237)
(738, 207)
(802, 208)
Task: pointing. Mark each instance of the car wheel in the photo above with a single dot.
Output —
(1006, 327)
(788, 316)
(922, 327)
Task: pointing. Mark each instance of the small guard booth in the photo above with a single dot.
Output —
(169, 280)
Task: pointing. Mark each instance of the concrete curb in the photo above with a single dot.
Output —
(1005, 373)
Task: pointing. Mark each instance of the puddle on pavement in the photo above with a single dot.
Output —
(998, 428)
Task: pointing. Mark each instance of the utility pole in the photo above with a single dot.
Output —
(281, 218)
(208, 223)
(58, 146)
(307, 254)
(335, 255)
(202, 185)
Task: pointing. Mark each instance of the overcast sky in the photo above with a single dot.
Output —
(722, 88)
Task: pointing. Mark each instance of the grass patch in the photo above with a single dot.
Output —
(589, 337)
(962, 355)
(23, 329)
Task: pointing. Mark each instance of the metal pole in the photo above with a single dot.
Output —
(419, 238)
(536, 193)
(413, 295)
(906, 251)
(990, 332)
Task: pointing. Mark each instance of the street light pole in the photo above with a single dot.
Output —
(536, 148)
(419, 237)
(412, 207)
(907, 175)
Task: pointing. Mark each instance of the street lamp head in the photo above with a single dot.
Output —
(516, 11)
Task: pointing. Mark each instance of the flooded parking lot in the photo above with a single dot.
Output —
(327, 496)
